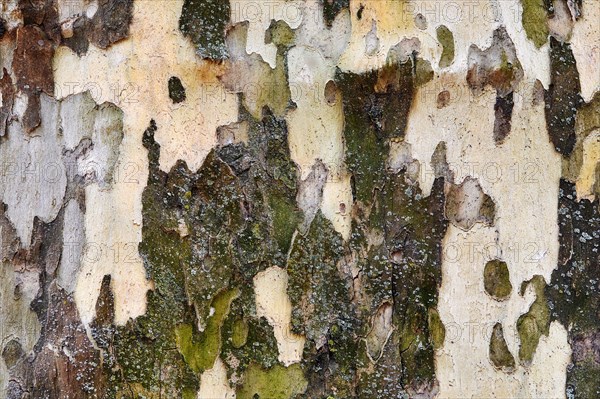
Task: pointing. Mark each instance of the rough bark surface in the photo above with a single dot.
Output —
(299, 199)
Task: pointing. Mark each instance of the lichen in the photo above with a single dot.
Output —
(563, 97)
(204, 22)
(573, 293)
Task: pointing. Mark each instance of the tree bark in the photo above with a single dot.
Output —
(300, 199)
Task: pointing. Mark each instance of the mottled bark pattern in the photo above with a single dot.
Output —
(264, 279)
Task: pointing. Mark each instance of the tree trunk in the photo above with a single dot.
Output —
(300, 199)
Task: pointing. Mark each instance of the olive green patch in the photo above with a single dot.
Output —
(437, 330)
(201, 355)
(279, 382)
(499, 353)
(240, 333)
(446, 39)
(496, 279)
(535, 21)
(535, 322)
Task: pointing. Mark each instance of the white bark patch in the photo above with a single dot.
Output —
(214, 383)
(18, 321)
(522, 177)
(585, 42)
(371, 40)
(310, 193)
(273, 303)
(134, 75)
(587, 174)
(561, 25)
(316, 125)
(259, 15)
(73, 247)
(34, 177)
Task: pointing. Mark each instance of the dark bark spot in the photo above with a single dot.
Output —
(32, 65)
(443, 99)
(176, 90)
(109, 25)
(563, 97)
(8, 92)
(331, 8)
(204, 22)
(12, 353)
(503, 110)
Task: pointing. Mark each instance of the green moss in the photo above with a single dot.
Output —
(286, 218)
(436, 328)
(416, 347)
(201, 355)
(276, 383)
(535, 322)
(371, 117)
(499, 353)
(446, 39)
(496, 279)
(535, 21)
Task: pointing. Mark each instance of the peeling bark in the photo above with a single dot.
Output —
(299, 199)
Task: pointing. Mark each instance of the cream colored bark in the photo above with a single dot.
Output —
(521, 174)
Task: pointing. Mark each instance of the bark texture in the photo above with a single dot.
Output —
(299, 199)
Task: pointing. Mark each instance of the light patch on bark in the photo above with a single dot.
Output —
(259, 16)
(273, 303)
(315, 128)
(121, 75)
(34, 178)
(587, 174)
(18, 321)
(394, 21)
(310, 193)
(561, 25)
(70, 260)
(585, 42)
(522, 176)
(214, 383)
(467, 204)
